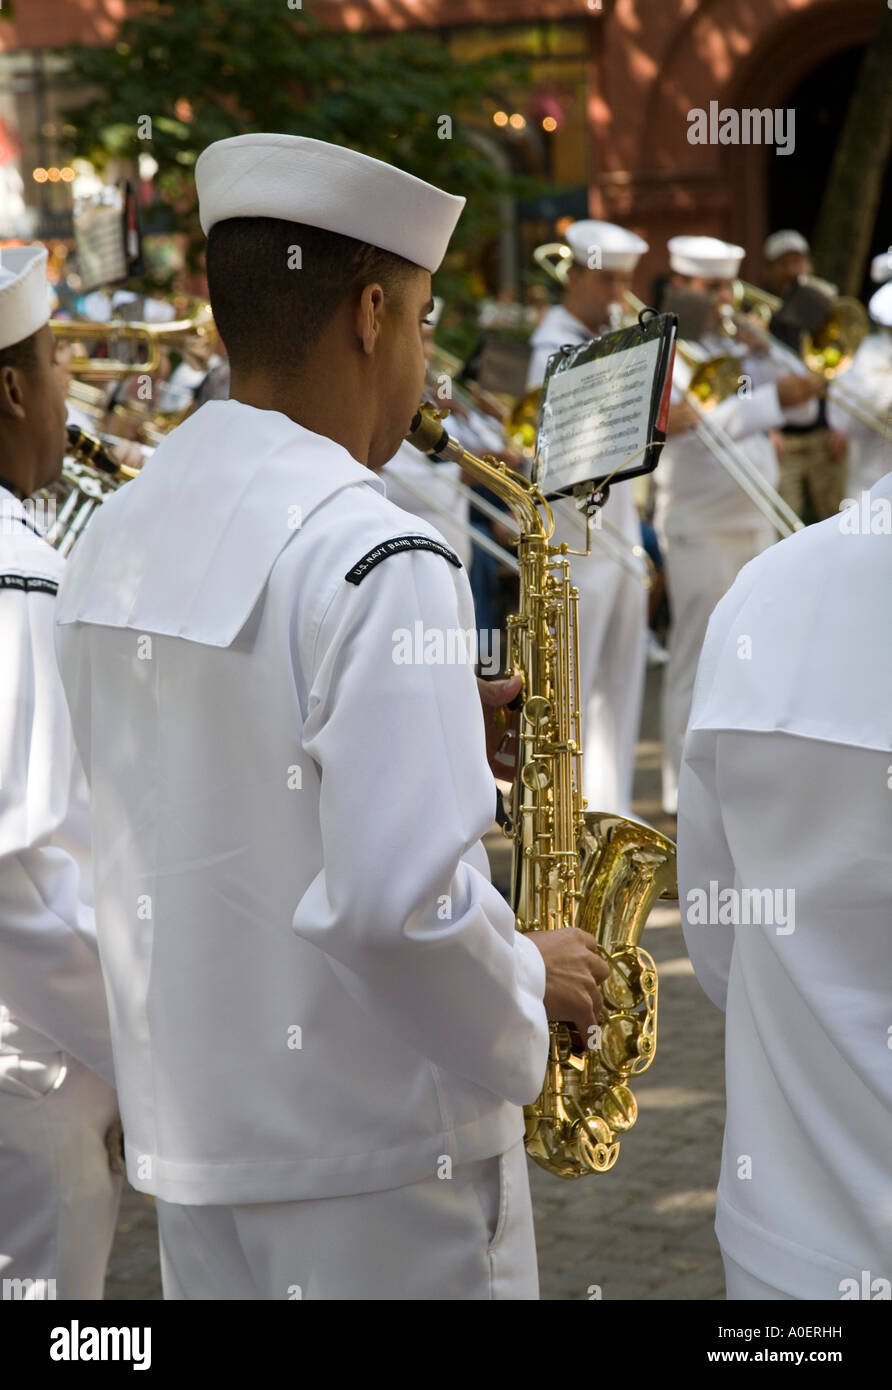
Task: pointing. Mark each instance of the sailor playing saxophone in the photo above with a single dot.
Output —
(612, 602)
(324, 1021)
(58, 1193)
(708, 527)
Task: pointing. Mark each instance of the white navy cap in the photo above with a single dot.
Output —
(880, 305)
(24, 301)
(881, 267)
(310, 181)
(782, 243)
(704, 255)
(604, 245)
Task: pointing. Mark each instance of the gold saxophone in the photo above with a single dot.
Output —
(570, 867)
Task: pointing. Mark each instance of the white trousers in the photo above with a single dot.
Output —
(699, 571)
(58, 1196)
(741, 1285)
(465, 1237)
(612, 665)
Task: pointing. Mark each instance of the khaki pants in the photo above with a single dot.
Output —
(811, 482)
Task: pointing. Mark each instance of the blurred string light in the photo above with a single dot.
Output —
(516, 121)
(53, 175)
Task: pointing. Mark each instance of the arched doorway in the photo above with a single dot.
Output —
(794, 191)
(811, 68)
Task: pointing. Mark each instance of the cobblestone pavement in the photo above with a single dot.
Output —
(641, 1231)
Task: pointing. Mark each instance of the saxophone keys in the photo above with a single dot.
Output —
(536, 775)
(592, 1145)
(537, 710)
(619, 1108)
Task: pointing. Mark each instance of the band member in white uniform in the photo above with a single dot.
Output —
(612, 602)
(707, 526)
(870, 378)
(811, 457)
(324, 1021)
(784, 866)
(58, 1194)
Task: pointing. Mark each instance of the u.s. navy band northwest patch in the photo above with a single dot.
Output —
(396, 547)
(29, 583)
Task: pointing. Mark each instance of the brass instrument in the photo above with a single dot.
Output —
(714, 378)
(570, 867)
(193, 336)
(89, 474)
(712, 382)
(555, 258)
(829, 349)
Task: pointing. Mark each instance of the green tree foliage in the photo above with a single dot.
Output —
(252, 65)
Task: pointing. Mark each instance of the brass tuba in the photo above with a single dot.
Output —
(570, 867)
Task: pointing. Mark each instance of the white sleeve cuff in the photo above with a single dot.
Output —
(530, 966)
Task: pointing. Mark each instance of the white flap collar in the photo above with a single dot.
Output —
(185, 549)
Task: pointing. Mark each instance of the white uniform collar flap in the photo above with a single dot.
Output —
(186, 549)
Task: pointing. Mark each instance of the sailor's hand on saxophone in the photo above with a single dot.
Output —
(574, 968)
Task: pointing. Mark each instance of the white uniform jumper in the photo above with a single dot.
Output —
(708, 530)
(612, 615)
(869, 377)
(316, 990)
(58, 1197)
(436, 481)
(784, 872)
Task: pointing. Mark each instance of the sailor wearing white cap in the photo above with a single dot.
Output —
(612, 603)
(708, 527)
(787, 255)
(870, 379)
(58, 1195)
(811, 456)
(324, 1022)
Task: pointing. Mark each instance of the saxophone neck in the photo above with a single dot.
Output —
(522, 497)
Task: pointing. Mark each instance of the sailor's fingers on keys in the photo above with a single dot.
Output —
(499, 692)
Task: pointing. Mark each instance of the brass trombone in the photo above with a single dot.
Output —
(713, 380)
(194, 337)
(828, 350)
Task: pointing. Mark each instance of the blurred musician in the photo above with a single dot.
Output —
(612, 602)
(870, 377)
(58, 1193)
(708, 528)
(811, 456)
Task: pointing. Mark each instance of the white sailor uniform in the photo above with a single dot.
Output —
(316, 991)
(784, 865)
(58, 1195)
